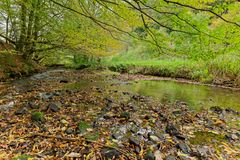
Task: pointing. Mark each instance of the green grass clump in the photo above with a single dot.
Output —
(37, 116)
(226, 67)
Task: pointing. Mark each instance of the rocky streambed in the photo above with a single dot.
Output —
(68, 114)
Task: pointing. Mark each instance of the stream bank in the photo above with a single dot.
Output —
(95, 114)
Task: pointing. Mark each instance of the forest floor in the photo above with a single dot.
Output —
(67, 114)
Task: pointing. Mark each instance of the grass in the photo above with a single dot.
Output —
(175, 68)
(224, 69)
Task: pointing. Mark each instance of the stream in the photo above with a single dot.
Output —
(147, 118)
(196, 96)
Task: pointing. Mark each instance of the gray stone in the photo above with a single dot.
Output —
(184, 148)
(54, 107)
(110, 153)
(134, 141)
(21, 111)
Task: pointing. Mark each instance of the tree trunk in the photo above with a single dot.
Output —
(22, 39)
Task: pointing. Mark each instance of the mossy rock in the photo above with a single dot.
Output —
(83, 126)
(23, 157)
(37, 116)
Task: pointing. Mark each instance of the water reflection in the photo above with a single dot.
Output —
(196, 96)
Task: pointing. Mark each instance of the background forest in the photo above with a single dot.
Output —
(192, 39)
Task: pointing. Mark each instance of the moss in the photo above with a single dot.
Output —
(83, 126)
(204, 138)
(23, 157)
(37, 116)
(92, 137)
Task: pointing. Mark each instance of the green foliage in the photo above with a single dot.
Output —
(37, 116)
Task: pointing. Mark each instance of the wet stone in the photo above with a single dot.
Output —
(134, 141)
(110, 153)
(54, 107)
(153, 138)
(231, 137)
(137, 150)
(184, 148)
(172, 130)
(171, 157)
(32, 105)
(181, 137)
(116, 136)
(216, 109)
(69, 131)
(21, 111)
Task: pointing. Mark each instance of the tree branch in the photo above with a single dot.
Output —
(204, 10)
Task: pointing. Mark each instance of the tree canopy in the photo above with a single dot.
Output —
(105, 27)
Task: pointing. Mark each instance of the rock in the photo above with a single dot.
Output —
(46, 95)
(134, 141)
(64, 122)
(172, 130)
(154, 138)
(21, 111)
(74, 155)
(157, 155)
(181, 137)
(54, 107)
(110, 153)
(170, 157)
(134, 129)
(216, 109)
(184, 148)
(137, 150)
(203, 151)
(231, 136)
(149, 156)
(177, 112)
(63, 81)
(37, 116)
(109, 100)
(116, 136)
(163, 117)
(32, 105)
